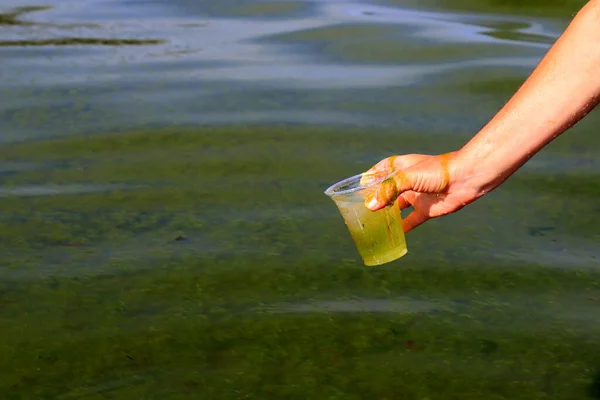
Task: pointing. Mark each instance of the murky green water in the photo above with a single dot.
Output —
(163, 228)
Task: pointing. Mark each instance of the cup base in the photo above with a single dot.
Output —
(383, 258)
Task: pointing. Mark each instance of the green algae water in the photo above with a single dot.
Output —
(163, 229)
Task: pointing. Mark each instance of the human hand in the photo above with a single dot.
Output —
(561, 90)
(432, 185)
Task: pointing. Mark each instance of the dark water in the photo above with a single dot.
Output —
(164, 235)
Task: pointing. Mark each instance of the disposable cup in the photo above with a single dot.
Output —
(378, 235)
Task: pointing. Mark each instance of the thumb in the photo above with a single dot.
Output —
(407, 179)
(389, 190)
(428, 176)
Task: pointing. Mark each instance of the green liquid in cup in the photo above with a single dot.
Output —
(378, 235)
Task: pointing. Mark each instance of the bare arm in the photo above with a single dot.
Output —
(561, 90)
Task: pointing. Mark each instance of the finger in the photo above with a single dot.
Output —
(391, 163)
(409, 197)
(407, 160)
(395, 162)
(430, 176)
(371, 175)
(405, 180)
(384, 194)
(378, 170)
(402, 203)
(413, 220)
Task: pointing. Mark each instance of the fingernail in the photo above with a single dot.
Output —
(366, 177)
(373, 203)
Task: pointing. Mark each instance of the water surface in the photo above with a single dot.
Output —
(164, 232)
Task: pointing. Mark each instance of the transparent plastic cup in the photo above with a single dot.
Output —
(378, 235)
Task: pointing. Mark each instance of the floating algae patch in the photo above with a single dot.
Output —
(50, 190)
(176, 331)
(79, 41)
(561, 191)
(544, 8)
(167, 289)
(13, 17)
(273, 9)
(407, 306)
(379, 44)
(522, 37)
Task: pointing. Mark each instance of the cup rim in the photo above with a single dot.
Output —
(331, 190)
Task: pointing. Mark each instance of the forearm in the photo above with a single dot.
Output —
(562, 89)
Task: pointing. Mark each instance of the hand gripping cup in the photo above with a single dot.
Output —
(378, 235)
